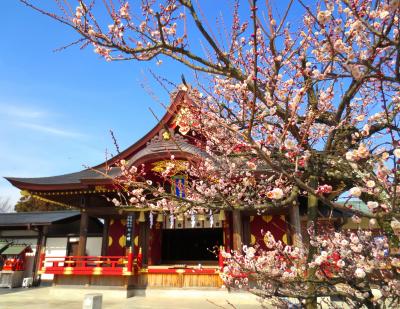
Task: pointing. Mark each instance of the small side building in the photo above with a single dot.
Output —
(56, 231)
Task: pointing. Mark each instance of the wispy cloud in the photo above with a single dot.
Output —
(33, 118)
(50, 130)
(22, 112)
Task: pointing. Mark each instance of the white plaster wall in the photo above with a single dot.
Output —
(93, 246)
(55, 246)
(29, 260)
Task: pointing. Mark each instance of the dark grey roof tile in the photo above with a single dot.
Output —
(35, 218)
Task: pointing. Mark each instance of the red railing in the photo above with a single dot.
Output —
(91, 265)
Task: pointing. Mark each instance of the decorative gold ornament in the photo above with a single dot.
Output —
(174, 166)
(160, 217)
(166, 136)
(141, 217)
(221, 216)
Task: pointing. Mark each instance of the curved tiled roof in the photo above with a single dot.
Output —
(72, 178)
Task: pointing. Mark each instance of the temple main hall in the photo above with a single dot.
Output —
(135, 253)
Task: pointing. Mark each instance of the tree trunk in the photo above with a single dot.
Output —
(295, 226)
(311, 303)
(312, 211)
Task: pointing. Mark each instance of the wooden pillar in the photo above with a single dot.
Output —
(104, 242)
(246, 234)
(41, 246)
(144, 232)
(83, 229)
(295, 225)
(237, 229)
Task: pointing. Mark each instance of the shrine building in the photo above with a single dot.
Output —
(134, 253)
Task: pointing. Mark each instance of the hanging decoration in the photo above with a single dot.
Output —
(192, 219)
(222, 215)
(141, 217)
(201, 217)
(160, 218)
(211, 219)
(151, 219)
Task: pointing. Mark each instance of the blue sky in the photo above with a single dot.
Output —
(56, 108)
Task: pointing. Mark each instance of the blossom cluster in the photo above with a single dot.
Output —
(352, 259)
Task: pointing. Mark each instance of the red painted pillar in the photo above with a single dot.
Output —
(139, 258)
(42, 259)
(221, 258)
(130, 259)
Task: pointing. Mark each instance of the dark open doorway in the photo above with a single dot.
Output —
(190, 245)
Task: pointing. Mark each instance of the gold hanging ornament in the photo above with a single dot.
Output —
(221, 216)
(160, 217)
(141, 217)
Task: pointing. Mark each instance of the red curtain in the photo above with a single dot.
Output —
(117, 237)
(260, 224)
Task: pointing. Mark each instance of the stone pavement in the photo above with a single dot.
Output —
(57, 298)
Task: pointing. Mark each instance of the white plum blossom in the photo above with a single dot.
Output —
(360, 273)
(372, 205)
(324, 16)
(370, 184)
(355, 191)
(275, 194)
